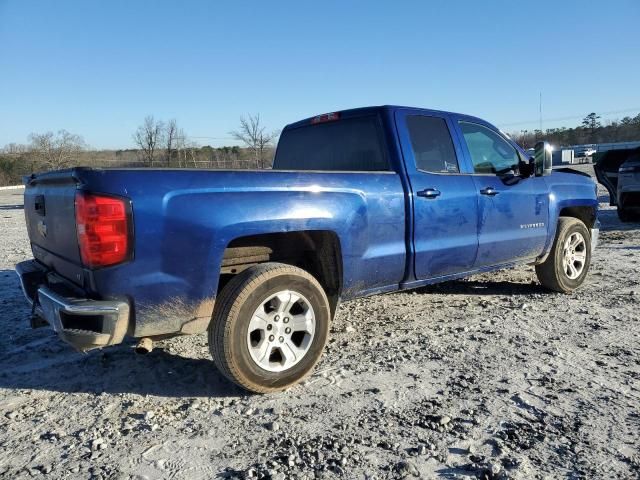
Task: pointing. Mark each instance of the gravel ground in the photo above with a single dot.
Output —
(491, 377)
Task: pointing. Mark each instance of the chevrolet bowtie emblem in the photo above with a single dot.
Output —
(42, 228)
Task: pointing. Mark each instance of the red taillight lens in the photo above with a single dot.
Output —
(103, 228)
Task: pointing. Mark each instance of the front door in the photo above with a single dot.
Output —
(513, 211)
(445, 203)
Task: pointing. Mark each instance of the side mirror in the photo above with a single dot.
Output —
(543, 161)
(526, 167)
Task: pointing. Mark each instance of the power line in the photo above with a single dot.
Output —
(212, 138)
(573, 117)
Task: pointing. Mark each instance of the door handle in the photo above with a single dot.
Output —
(429, 193)
(489, 191)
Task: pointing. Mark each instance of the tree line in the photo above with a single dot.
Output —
(591, 130)
(157, 144)
(164, 144)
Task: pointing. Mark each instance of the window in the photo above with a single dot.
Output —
(431, 143)
(351, 144)
(490, 153)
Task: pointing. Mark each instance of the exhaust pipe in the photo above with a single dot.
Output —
(144, 346)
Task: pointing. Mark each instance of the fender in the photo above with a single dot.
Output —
(566, 190)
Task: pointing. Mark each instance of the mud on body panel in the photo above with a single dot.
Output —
(174, 316)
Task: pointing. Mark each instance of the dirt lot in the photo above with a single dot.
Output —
(490, 378)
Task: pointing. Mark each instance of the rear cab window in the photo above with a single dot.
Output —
(345, 144)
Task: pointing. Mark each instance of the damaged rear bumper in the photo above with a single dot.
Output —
(84, 323)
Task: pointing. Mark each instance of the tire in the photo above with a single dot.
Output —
(563, 277)
(247, 306)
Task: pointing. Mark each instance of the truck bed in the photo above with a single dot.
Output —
(184, 220)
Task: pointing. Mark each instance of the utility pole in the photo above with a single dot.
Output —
(541, 112)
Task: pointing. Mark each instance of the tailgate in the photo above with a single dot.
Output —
(49, 207)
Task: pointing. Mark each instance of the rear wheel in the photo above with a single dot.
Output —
(269, 327)
(567, 265)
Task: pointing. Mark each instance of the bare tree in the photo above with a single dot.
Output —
(255, 137)
(54, 151)
(180, 145)
(185, 150)
(170, 134)
(148, 137)
(191, 150)
(15, 148)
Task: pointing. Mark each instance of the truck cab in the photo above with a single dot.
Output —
(471, 209)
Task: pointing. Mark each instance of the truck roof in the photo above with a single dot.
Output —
(356, 112)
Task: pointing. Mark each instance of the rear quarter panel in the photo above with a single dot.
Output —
(185, 219)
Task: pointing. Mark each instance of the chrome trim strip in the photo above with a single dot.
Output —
(20, 272)
(96, 307)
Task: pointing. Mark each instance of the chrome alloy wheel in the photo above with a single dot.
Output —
(574, 255)
(281, 331)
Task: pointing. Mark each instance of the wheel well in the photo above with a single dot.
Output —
(586, 214)
(317, 252)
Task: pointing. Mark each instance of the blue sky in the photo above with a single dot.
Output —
(97, 68)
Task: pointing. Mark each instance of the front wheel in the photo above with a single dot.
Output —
(269, 327)
(567, 265)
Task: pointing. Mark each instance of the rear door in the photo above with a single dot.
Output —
(445, 204)
(513, 211)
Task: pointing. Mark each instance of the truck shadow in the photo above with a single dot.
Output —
(609, 222)
(37, 359)
(482, 287)
(118, 370)
(608, 217)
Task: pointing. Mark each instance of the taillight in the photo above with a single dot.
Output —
(103, 226)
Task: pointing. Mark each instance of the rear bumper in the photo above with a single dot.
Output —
(81, 322)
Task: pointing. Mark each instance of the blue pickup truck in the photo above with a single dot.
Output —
(358, 202)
